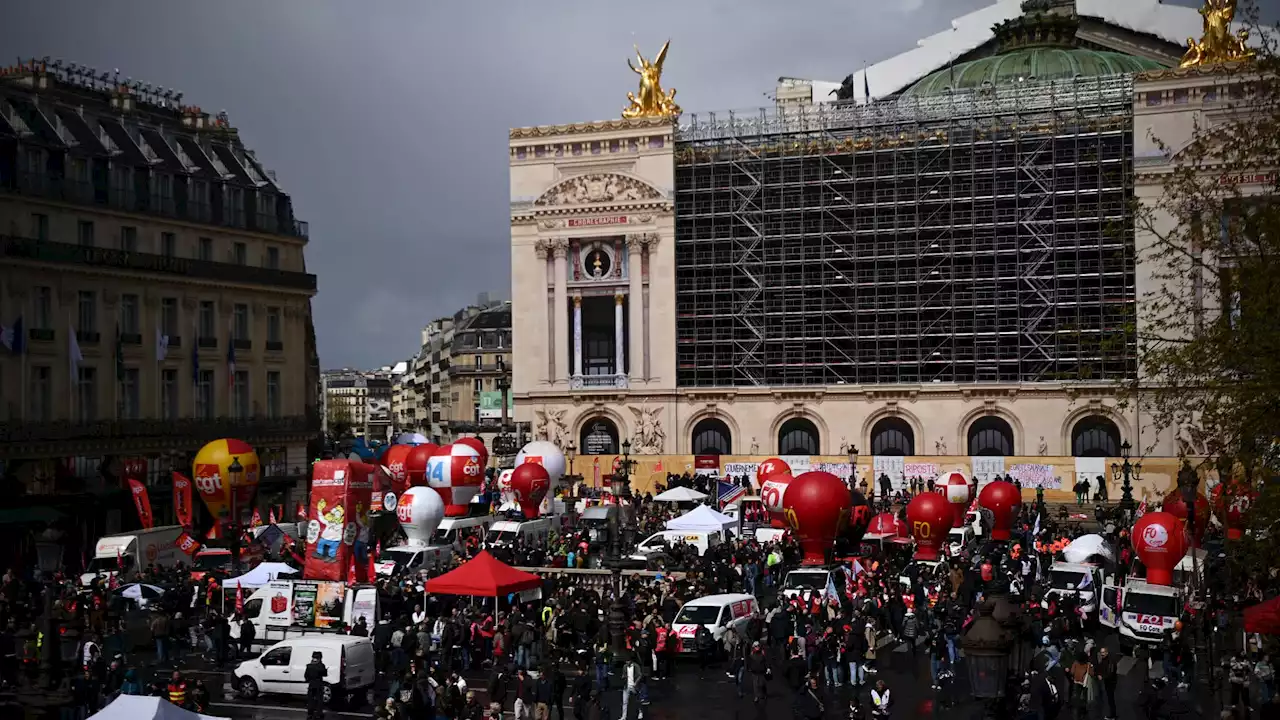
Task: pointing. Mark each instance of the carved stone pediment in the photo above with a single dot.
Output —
(598, 188)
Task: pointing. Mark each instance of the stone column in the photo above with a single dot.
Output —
(635, 271)
(560, 252)
(577, 335)
(617, 334)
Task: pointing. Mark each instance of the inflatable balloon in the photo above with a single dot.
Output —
(476, 444)
(859, 519)
(212, 479)
(394, 462)
(817, 510)
(529, 485)
(415, 464)
(769, 468)
(1160, 540)
(545, 454)
(888, 524)
(929, 517)
(504, 485)
(959, 493)
(1231, 502)
(1177, 507)
(454, 471)
(772, 492)
(420, 511)
(1000, 498)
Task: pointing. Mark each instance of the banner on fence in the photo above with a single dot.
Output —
(1034, 475)
(891, 465)
(987, 467)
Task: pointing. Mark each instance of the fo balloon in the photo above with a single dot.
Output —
(1231, 502)
(1160, 539)
(769, 468)
(529, 485)
(1001, 499)
(959, 493)
(929, 517)
(817, 509)
(1176, 506)
(772, 494)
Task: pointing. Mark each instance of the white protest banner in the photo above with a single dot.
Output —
(742, 468)
(1089, 468)
(797, 463)
(924, 470)
(1034, 475)
(891, 465)
(840, 470)
(986, 467)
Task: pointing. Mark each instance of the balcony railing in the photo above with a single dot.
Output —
(461, 369)
(20, 248)
(587, 382)
(185, 428)
(44, 185)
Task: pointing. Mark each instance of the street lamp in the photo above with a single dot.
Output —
(1188, 486)
(1126, 489)
(853, 466)
(620, 486)
(570, 452)
(986, 652)
(235, 475)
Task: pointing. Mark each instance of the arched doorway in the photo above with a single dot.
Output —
(892, 436)
(599, 437)
(798, 436)
(1095, 436)
(711, 436)
(990, 435)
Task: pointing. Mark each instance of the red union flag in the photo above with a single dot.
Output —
(182, 499)
(142, 502)
(187, 544)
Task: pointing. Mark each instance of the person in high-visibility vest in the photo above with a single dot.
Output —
(178, 690)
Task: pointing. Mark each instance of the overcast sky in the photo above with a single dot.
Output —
(389, 126)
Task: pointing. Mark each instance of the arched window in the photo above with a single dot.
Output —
(892, 436)
(798, 436)
(990, 435)
(1095, 436)
(712, 437)
(599, 437)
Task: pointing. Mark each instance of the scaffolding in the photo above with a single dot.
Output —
(984, 236)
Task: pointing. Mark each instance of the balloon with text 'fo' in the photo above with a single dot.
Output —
(1231, 502)
(1175, 505)
(817, 510)
(529, 485)
(959, 493)
(772, 493)
(1001, 499)
(859, 520)
(1160, 540)
(415, 464)
(929, 518)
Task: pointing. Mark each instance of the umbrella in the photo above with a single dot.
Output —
(141, 592)
(680, 494)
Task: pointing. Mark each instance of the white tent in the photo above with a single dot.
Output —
(261, 575)
(138, 707)
(680, 494)
(701, 518)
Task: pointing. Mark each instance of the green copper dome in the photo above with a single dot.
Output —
(1041, 63)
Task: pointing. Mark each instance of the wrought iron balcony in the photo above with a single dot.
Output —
(461, 369)
(20, 248)
(184, 428)
(590, 382)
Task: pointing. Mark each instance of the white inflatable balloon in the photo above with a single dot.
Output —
(545, 454)
(504, 485)
(420, 510)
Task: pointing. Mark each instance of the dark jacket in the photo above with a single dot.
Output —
(314, 676)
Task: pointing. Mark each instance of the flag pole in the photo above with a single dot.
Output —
(22, 363)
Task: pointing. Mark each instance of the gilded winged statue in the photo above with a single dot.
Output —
(651, 100)
(1218, 44)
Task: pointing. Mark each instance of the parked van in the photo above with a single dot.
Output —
(717, 613)
(1141, 611)
(134, 551)
(280, 669)
(505, 532)
(958, 539)
(658, 542)
(1078, 580)
(806, 580)
(412, 558)
(218, 559)
(454, 530)
(285, 609)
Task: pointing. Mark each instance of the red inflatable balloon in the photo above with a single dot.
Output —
(929, 516)
(888, 524)
(817, 509)
(476, 444)
(1160, 540)
(1001, 499)
(394, 462)
(415, 464)
(959, 493)
(769, 468)
(859, 519)
(529, 484)
(1231, 502)
(1177, 507)
(772, 493)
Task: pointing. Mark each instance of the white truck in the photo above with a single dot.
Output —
(413, 558)
(806, 582)
(134, 550)
(1077, 580)
(288, 608)
(1141, 611)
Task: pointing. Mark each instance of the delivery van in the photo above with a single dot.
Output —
(658, 542)
(1078, 580)
(1141, 611)
(413, 558)
(807, 581)
(133, 551)
(286, 608)
(505, 532)
(718, 613)
(282, 667)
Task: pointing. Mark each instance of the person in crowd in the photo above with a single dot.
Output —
(314, 676)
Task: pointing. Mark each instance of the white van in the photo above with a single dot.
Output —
(805, 580)
(661, 540)
(412, 558)
(453, 530)
(718, 613)
(134, 550)
(505, 532)
(286, 609)
(958, 539)
(280, 669)
(1079, 580)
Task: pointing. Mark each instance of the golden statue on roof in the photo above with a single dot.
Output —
(651, 100)
(1219, 44)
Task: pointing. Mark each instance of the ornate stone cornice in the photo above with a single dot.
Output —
(596, 188)
(544, 131)
(1193, 71)
(559, 247)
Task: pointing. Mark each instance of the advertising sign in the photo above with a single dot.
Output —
(329, 597)
(341, 497)
(304, 603)
(279, 603)
(491, 405)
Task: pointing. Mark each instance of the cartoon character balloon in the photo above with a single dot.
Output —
(959, 493)
(454, 471)
(769, 468)
(476, 444)
(529, 485)
(210, 473)
(817, 510)
(772, 493)
(1160, 539)
(545, 454)
(420, 511)
(1176, 506)
(415, 464)
(394, 461)
(929, 518)
(1000, 499)
(1231, 502)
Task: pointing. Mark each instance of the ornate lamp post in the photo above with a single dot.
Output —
(571, 452)
(1126, 489)
(986, 650)
(235, 475)
(853, 468)
(620, 486)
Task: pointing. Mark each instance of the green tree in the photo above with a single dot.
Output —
(340, 423)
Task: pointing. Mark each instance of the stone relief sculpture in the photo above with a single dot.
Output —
(551, 427)
(597, 188)
(648, 439)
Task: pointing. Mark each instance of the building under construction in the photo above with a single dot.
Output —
(977, 226)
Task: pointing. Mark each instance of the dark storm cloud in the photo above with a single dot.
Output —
(389, 125)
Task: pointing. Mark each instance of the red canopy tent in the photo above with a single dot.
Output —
(484, 576)
(1263, 618)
